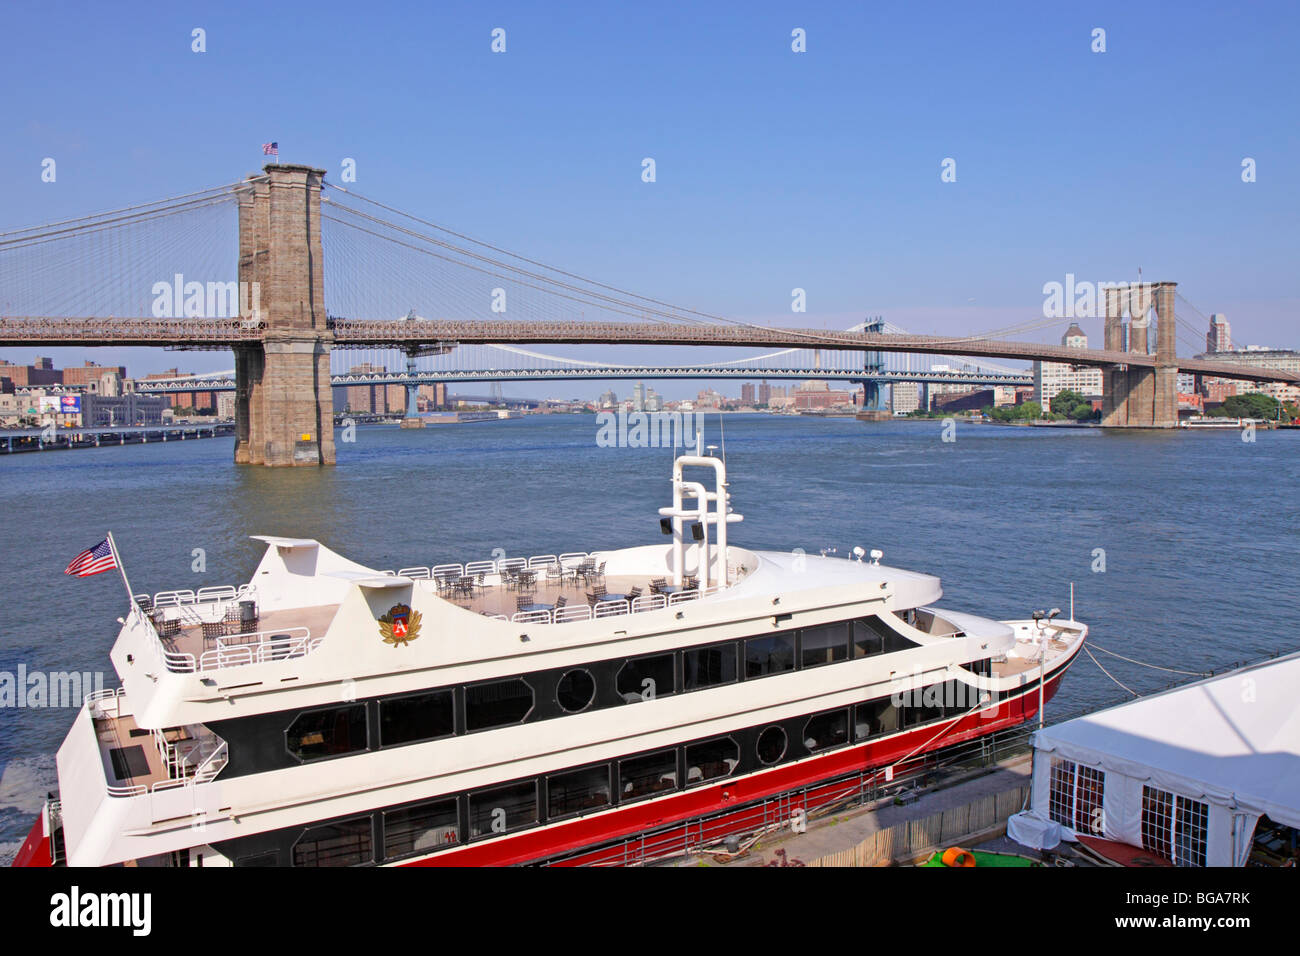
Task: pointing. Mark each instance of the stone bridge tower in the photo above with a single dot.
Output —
(284, 410)
(1138, 396)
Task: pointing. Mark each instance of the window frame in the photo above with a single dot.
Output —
(370, 836)
(785, 745)
(455, 723)
(303, 761)
(595, 689)
(532, 707)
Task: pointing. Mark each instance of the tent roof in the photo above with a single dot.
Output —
(1232, 739)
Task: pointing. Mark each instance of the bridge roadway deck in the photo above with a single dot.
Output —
(356, 333)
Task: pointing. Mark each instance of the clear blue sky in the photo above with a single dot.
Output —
(774, 169)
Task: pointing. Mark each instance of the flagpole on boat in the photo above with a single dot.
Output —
(117, 559)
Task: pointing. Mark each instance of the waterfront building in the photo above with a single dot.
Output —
(904, 397)
(1053, 377)
(607, 399)
(818, 394)
(1258, 357)
(128, 409)
(747, 396)
(764, 393)
(638, 397)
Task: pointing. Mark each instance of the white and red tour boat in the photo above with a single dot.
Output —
(601, 707)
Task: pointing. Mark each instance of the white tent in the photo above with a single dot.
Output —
(1220, 752)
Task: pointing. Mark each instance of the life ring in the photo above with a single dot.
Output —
(956, 856)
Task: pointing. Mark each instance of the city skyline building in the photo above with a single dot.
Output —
(1051, 378)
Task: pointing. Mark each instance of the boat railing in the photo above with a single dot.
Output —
(236, 650)
(106, 702)
(256, 647)
(186, 596)
(616, 608)
(536, 562)
(205, 772)
(192, 758)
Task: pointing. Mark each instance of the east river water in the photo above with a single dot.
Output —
(1182, 547)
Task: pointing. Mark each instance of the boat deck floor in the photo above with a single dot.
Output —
(138, 763)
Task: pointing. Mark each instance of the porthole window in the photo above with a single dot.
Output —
(771, 745)
(576, 690)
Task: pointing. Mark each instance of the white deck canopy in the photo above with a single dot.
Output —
(1231, 742)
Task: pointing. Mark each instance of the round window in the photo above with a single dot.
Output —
(575, 690)
(771, 745)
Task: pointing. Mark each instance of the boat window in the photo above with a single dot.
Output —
(648, 774)
(928, 704)
(709, 666)
(824, 644)
(645, 678)
(346, 843)
(503, 809)
(711, 759)
(328, 733)
(575, 690)
(403, 720)
(826, 730)
(577, 790)
(497, 704)
(875, 718)
(771, 745)
(868, 637)
(770, 654)
(426, 827)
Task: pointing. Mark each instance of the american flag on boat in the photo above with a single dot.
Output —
(93, 561)
(270, 149)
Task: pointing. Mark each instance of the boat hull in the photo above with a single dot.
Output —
(666, 826)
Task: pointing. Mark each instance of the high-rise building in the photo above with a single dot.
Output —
(764, 393)
(607, 399)
(747, 393)
(1053, 377)
(1219, 338)
(638, 397)
(904, 397)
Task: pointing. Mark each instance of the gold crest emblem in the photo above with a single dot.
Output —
(400, 625)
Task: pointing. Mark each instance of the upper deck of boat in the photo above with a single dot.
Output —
(555, 593)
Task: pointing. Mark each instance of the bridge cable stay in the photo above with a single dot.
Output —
(630, 303)
(572, 275)
(109, 263)
(602, 301)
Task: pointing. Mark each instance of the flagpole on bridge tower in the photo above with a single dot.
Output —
(117, 559)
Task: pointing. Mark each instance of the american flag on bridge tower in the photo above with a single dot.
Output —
(270, 149)
(94, 560)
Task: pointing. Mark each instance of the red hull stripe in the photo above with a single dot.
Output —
(573, 835)
(35, 850)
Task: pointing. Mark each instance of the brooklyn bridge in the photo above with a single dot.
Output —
(321, 268)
